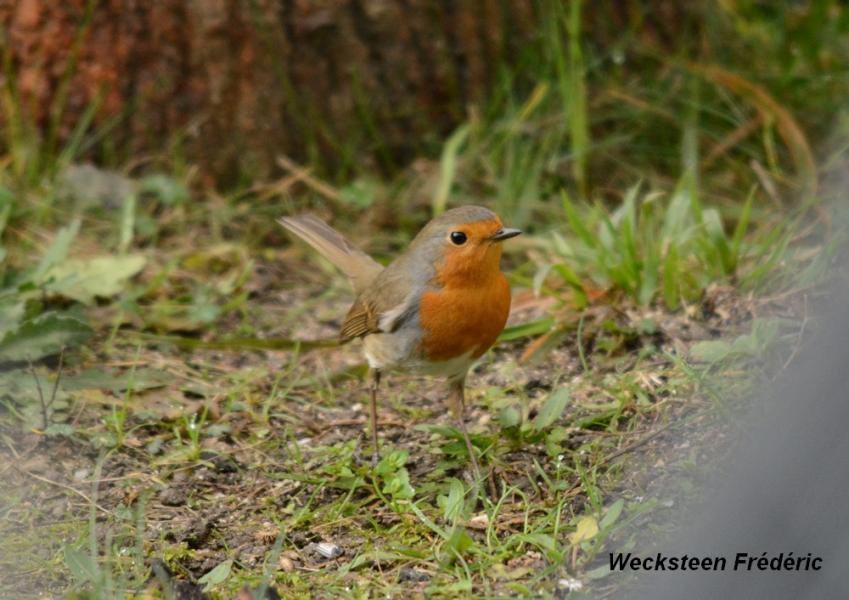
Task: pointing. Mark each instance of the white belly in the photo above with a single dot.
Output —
(399, 351)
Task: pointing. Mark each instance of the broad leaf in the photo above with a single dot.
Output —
(81, 565)
(10, 317)
(42, 336)
(57, 251)
(612, 514)
(84, 280)
(587, 529)
(98, 378)
(216, 575)
(710, 351)
(551, 409)
(452, 504)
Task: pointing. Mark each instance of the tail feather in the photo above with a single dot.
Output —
(360, 268)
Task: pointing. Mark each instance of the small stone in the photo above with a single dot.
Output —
(81, 474)
(412, 575)
(480, 521)
(570, 584)
(328, 550)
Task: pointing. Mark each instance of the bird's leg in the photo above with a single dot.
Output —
(457, 397)
(374, 382)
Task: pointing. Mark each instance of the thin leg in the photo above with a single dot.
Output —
(457, 410)
(374, 382)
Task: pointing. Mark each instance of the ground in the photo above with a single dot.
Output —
(230, 467)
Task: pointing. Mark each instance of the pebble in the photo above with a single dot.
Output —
(480, 521)
(570, 584)
(328, 550)
(414, 575)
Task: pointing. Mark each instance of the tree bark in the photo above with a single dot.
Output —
(232, 83)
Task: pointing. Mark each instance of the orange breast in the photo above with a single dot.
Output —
(457, 321)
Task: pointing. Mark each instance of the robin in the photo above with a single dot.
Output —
(434, 310)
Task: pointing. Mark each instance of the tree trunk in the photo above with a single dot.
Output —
(233, 83)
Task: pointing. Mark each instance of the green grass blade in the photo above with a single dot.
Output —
(576, 223)
(740, 229)
(578, 114)
(671, 294)
(448, 169)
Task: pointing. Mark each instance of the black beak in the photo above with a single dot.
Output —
(505, 233)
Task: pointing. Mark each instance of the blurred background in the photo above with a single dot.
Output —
(534, 96)
(673, 163)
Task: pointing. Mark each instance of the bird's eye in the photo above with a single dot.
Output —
(458, 238)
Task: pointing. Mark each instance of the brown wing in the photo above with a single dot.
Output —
(386, 305)
(360, 320)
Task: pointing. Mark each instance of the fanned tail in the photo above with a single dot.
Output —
(360, 268)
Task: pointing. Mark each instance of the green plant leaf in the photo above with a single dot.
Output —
(452, 504)
(217, 575)
(10, 317)
(742, 225)
(710, 351)
(19, 386)
(7, 200)
(598, 573)
(551, 409)
(81, 565)
(717, 241)
(671, 294)
(167, 190)
(542, 541)
(103, 276)
(460, 541)
(612, 514)
(574, 281)
(447, 169)
(57, 251)
(526, 329)
(43, 336)
(398, 485)
(576, 221)
(392, 462)
(509, 416)
(586, 529)
(135, 380)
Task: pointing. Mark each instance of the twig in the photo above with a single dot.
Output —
(638, 443)
(767, 182)
(40, 395)
(304, 175)
(45, 406)
(58, 378)
(732, 139)
(580, 341)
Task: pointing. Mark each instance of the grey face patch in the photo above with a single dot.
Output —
(440, 227)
